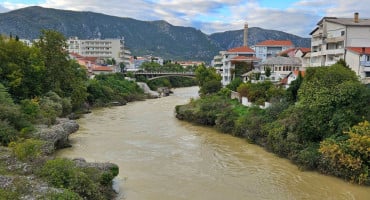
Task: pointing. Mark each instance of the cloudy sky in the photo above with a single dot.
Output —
(293, 16)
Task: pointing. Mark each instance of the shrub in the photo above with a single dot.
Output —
(7, 133)
(65, 195)
(63, 173)
(28, 149)
(8, 194)
(31, 109)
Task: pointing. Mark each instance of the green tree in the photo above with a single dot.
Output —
(268, 72)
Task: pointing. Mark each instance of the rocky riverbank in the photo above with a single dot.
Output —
(20, 179)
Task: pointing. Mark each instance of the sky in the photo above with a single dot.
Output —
(298, 17)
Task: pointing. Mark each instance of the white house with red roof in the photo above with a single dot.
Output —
(233, 56)
(271, 48)
(358, 59)
(90, 63)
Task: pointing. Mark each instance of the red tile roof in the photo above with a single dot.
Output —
(360, 50)
(102, 68)
(241, 49)
(275, 43)
(241, 58)
(287, 51)
(304, 50)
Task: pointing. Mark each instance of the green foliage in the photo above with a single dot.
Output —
(234, 84)
(210, 87)
(292, 91)
(204, 74)
(268, 72)
(28, 149)
(6, 194)
(242, 68)
(106, 88)
(260, 92)
(65, 195)
(7, 133)
(63, 173)
(348, 158)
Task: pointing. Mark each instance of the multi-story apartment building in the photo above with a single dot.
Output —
(233, 56)
(333, 35)
(342, 38)
(101, 48)
(270, 48)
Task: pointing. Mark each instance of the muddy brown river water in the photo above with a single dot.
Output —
(162, 158)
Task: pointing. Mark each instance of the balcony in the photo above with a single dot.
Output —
(334, 51)
(365, 63)
(367, 69)
(316, 42)
(334, 39)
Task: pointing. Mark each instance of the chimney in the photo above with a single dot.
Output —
(245, 34)
(356, 17)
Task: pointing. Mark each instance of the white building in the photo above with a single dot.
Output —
(271, 48)
(233, 56)
(100, 48)
(333, 35)
(358, 59)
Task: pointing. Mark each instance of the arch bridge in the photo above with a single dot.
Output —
(157, 75)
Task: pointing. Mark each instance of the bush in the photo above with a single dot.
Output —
(31, 109)
(8, 194)
(28, 149)
(63, 173)
(7, 133)
(65, 195)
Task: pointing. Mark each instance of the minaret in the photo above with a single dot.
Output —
(245, 34)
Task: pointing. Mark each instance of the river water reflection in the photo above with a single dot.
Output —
(163, 158)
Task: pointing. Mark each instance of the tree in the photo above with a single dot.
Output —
(63, 76)
(204, 74)
(268, 72)
(52, 45)
(122, 66)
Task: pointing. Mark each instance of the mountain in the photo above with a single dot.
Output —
(230, 39)
(157, 38)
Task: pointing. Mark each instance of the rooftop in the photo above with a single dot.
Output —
(360, 50)
(275, 43)
(347, 21)
(292, 61)
(241, 49)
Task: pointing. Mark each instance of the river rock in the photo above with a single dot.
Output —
(56, 136)
(81, 162)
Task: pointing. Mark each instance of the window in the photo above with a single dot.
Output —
(342, 33)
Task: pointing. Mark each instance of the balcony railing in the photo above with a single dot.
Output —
(367, 69)
(334, 51)
(365, 63)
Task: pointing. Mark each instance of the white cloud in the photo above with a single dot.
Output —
(2, 9)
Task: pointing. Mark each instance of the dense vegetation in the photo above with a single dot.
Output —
(38, 84)
(321, 122)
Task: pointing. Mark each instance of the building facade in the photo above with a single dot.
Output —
(100, 48)
(233, 56)
(271, 48)
(333, 35)
(358, 59)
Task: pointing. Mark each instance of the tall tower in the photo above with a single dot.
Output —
(245, 34)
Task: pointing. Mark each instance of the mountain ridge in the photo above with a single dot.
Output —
(157, 38)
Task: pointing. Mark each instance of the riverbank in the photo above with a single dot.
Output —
(161, 157)
(277, 130)
(36, 177)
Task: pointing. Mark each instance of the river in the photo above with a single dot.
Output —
(162, 158)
